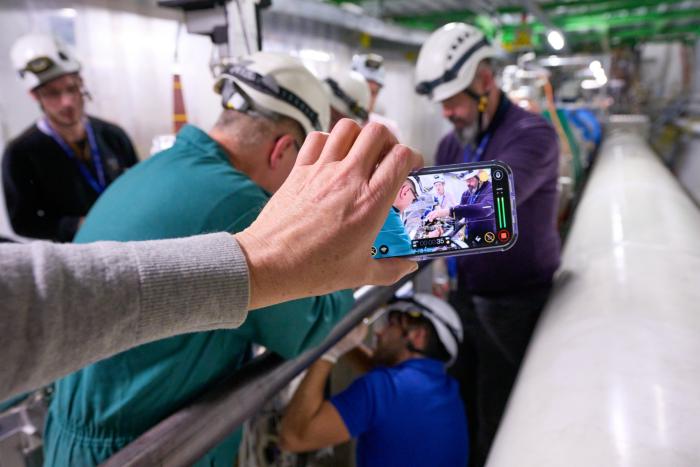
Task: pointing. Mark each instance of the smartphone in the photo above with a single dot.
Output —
(451, 210)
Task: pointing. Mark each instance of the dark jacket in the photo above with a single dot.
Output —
(529, 145)
(478, 211)
(45, 192)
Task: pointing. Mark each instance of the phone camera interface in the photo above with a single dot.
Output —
(449, 211)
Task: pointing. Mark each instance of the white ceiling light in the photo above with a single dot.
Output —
(315, 55)
(591, 84)
(598, 73)
(67, 12)
(556, 39)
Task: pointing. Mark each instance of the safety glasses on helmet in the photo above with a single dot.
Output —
(263, 84)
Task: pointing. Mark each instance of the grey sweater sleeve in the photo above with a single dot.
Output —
(65, 306)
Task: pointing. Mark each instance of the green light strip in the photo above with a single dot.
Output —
(503, 211)
(501, 216)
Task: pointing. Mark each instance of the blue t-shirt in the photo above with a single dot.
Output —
(407, 415)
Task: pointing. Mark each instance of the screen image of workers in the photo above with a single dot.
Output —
(447, 211)
(456, 208)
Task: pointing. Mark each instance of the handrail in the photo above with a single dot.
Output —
(188, 434)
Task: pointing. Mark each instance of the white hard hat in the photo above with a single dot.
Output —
(275, 83)
(441, 315)
(448, 60)
(470, 174)
(371, 66)
(438, 178)
(415, 183)
(40, 58)
(349, 94)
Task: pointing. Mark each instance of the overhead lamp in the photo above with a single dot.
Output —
(556, 39)
(598, 73)
(67, 12)
(554, 60)
(315, 55)
(591, 84)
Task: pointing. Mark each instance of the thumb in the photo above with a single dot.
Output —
(387, 271)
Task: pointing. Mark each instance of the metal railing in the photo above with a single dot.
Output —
(188, 434)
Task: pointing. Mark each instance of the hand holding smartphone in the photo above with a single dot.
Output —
(451, 210)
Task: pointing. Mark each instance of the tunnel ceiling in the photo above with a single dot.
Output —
(589, 25)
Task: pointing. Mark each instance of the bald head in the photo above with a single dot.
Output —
(263, 148)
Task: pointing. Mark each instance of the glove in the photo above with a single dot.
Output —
(346, 344)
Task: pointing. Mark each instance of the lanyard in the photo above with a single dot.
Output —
(98, 185)
(469, 155)
(475, 156)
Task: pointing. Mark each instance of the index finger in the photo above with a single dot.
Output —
(371, 146)
(393, 170)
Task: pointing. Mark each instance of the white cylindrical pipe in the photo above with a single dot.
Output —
(612, 375)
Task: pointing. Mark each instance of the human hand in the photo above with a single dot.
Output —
(438, 213)
(351, 340)
(315, 234)
(435, 233)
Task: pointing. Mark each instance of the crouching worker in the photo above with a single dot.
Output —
(404, 411)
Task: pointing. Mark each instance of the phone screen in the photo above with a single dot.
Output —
(451, 210)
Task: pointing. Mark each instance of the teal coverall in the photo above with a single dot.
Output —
(188, 189)
(392, 238)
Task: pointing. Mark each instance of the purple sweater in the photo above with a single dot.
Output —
(529, 145)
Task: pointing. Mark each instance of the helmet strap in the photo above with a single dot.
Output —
(409, 345)
(407, 342)
(86, 94)
(482, 103)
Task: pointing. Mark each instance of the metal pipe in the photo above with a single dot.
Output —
(185, 436)
(611, 374)
(335, 16)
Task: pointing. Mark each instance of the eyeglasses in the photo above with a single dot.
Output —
(38, 65)
(264, 84)
(73, 90)
(374, 61)
(391, 318)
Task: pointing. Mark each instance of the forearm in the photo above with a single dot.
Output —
(472, 210)
(65, 306)
(307, 400)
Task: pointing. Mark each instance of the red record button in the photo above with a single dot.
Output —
(503, 235)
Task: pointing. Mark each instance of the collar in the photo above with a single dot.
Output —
(43, 126)
(193, 136)
(424, 364)
(190, 134)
